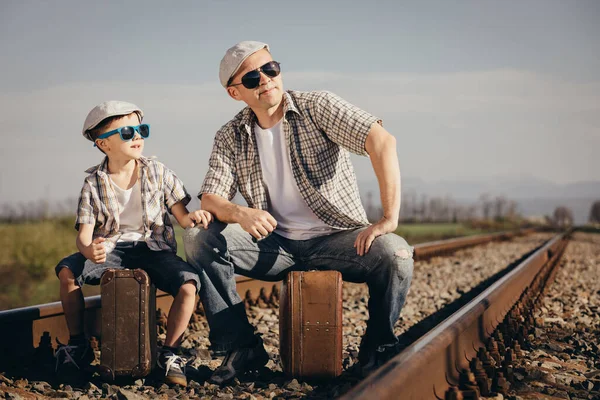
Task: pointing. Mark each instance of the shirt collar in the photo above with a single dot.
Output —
(103, 166)
(248, 118)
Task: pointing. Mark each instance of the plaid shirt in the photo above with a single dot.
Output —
(320, 128)
(160, 188)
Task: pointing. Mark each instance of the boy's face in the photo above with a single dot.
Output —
(114, 146)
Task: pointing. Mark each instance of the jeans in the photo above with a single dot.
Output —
(224, 250)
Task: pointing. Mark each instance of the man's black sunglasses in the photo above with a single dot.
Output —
(251, 79)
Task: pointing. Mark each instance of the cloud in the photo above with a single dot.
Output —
(447, 125)
(447, 94)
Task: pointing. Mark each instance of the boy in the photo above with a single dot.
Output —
(123, 223)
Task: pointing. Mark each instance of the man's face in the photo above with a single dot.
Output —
(269, 92)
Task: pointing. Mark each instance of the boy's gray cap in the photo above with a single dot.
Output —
(235, 56)
(107, 109)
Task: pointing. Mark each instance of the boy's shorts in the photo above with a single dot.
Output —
(166, 270)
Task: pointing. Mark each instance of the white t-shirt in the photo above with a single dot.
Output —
(131, 225)
(295, 220)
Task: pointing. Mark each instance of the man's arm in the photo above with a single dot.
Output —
(258, 223)
(381, 146)
(220, 185)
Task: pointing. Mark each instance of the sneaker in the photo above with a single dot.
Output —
(240, 361)
(174, 368)
(72, 360)
(371, 359)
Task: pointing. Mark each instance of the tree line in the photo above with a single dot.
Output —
(425, 209)
(415, 208)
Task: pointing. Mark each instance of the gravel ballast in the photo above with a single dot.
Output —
(438, 284)
(562, 359)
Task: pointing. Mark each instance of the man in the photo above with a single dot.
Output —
(287, 153)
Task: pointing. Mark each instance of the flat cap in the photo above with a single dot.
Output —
(235, 56)
(107, 109)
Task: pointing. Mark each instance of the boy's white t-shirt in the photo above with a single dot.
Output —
(131, 224)
(295, 220)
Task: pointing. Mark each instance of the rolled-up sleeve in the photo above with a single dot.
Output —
(343, 123)
(174, 190)
(85, 209)
(221, 178)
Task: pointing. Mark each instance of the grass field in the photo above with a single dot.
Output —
(419, 233)
(31, 251)
(413, 233)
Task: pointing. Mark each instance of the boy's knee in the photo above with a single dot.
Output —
(65, 274)
(189, 289)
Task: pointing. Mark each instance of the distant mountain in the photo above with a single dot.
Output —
(534, 196)
(509, 187)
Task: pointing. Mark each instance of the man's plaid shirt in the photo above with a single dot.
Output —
(320, 128)
(161, 189)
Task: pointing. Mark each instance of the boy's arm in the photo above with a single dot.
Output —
(190, 219)
(93, 250)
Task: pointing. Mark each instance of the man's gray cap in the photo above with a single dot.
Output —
(107, 109)
(235, 56)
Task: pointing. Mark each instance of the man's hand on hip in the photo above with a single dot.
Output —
(365, 239)
(258, 223)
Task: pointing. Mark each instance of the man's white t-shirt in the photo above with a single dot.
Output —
(295, 220)
(130, 219)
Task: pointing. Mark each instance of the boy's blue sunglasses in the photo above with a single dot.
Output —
(127, 133)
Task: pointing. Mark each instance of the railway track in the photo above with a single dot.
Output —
(24, 328)
(470, 354)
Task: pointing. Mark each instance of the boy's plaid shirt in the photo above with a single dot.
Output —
(160, 188)
(320, 128)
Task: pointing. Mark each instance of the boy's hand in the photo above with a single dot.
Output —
(95, 252)
(198, 217)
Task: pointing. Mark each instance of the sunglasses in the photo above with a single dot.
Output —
(251, 79)
(127, 133)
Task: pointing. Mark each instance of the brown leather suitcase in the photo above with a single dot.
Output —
(310, 324)
(128, 331)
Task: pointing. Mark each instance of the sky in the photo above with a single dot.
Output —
(470, 89)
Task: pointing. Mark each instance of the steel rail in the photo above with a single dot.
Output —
(21, 329)
(431, 365)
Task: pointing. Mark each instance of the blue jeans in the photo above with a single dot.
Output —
(226, 249)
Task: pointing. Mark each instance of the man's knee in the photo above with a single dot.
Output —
(197, 241)
(396, 255)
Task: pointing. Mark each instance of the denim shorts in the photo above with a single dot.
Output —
(166, 270)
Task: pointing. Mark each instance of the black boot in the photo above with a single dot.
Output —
(370, 359)
(241, 360)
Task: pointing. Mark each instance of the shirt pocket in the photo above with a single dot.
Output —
(155, 203)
